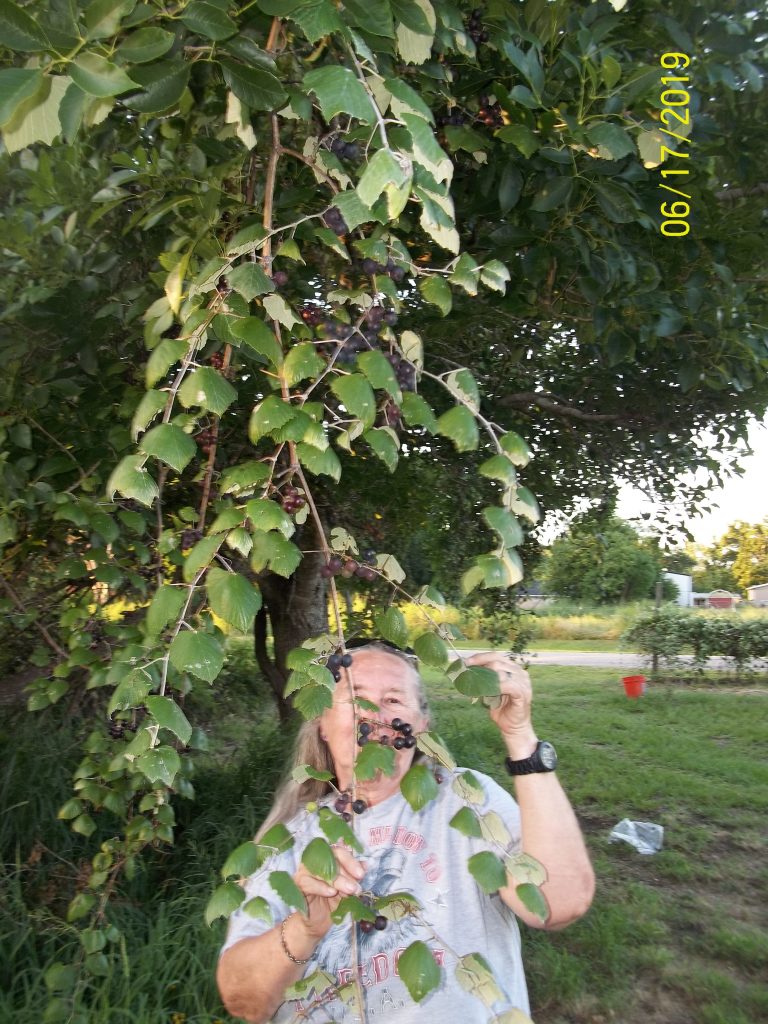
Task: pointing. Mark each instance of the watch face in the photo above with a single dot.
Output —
(548, 755)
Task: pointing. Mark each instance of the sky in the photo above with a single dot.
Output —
(742, 498)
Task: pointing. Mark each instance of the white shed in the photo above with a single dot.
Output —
(758, 595)
(684, 584)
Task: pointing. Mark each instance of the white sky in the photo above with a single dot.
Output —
(743, 498)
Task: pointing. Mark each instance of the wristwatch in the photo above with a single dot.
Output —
(543, 759)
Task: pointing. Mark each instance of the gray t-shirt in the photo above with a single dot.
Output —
(416, 852)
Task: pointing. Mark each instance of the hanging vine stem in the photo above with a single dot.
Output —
(179, 623)
(364, 82)
(489, 427)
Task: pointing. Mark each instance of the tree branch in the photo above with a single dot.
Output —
(523, 399)
(38, 625)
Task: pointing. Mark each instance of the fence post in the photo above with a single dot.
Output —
(656, 606)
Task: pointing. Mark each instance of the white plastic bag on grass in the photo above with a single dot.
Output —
(643, 835)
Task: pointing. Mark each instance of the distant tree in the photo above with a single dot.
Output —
(602, 560)
(739, 559)
(682, 561)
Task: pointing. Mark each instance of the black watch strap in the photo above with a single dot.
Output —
(543, 759)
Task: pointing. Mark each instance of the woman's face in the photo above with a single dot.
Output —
(387, 681)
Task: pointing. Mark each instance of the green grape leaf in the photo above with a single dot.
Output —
(385, 444)
(465, 821)
(312, 700)
(339, 91)
(317, 461)
(431, 649)
(169, 715)
(132, 480)
(197, 653)
(244, 477)
(467, 786)
(287, 890)
(271, 550)
(356, 394)
(258, 907)
(393, 627)
(249, 280)
(207, 388)
(160, 764)
(460, 426)
(488, 871)
(499, 467)
(433, 746)
(475, 976)
(200, 556)
(418, 970)
(533, 899)
(337, 830)
(495, 275)
(374, 758)
(226, 898)
(233, 598)
(477, 682)
(257, 336)
(504, 523)
(437, 291)
(418, 413)
(378, 369)
(98, 76)
(524, 868)
(170, 444)
(319, 860)
(418, 786)
(266, 514)
(301, 362)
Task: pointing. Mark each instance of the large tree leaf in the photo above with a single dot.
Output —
(226, 898)
(165, 605)
(258, 89)
(208, 20)
(393, 627)
(98, 76)
(358, 397)
(144, 45)
(163, 85)
(17, 85)
(18, 31)
(460, 426)
(131, 479)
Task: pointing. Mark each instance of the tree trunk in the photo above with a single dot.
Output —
(296, 609)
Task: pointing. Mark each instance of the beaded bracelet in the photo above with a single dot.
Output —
(287, 952)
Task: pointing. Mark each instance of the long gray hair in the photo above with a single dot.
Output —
(310, 749)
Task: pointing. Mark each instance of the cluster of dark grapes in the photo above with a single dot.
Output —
(292, 500)
(345, 150)
(189, 538)
(117, 727)
(405, 371)
(336, 662)
(490, 113)
(348, 567)
(280, 278)
(216, 359)
(345, 801)
(475, 27)
(335, 221)
(390, 268)
(222, 286)
(368, 926)
(205, 440)
(455, 117)
(406, 740)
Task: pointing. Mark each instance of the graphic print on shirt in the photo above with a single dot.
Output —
(379, 951)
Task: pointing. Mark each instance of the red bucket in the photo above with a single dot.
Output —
(634, 686)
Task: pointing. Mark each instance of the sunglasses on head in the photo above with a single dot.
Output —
(368, 641)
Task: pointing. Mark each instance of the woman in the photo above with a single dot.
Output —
(404, 850)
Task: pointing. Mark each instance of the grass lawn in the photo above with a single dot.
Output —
(677, 938)
(610, 646)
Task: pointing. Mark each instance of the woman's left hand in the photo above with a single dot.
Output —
(513, 714)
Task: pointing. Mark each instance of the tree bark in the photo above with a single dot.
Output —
(295, 608)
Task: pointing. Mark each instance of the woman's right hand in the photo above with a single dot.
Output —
(323, 897)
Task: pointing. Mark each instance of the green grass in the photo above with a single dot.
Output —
(680, 936)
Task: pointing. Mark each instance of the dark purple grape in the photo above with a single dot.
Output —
(366, 926)
(365, 728)
(362, 740)
(409, 742)
(380, 923)
(384, 740)
(396, 723)
(346, 660)
(398, 743)
(359, 806)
